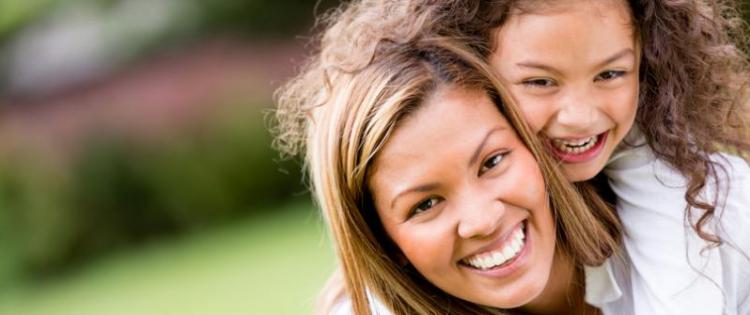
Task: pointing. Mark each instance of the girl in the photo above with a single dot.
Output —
(647, 93)
(428, 216)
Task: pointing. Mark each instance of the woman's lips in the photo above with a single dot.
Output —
(495, 263)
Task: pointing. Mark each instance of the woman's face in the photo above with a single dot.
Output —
(573, 69)
(465, 201)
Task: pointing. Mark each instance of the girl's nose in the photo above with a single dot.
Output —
(476, 220)
(577, 111)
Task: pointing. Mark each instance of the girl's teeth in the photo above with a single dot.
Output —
(575, 146)
(510, 250)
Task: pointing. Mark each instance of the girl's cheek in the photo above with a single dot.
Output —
(537, 113)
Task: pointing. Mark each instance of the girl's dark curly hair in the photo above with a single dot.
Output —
(694, 85)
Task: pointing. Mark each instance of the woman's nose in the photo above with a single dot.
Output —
(480, 219)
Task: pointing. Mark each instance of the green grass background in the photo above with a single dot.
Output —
(273, 263)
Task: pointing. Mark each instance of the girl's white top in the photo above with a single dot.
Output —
(668, 268)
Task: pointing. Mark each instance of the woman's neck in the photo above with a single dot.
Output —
(564, 293)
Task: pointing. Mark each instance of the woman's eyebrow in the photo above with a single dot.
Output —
(421, 188)
(432, 186)
(479, 149)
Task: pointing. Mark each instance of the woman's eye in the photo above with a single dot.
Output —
(424, 206)
(492, 162)
(609, 75)
(539, 83)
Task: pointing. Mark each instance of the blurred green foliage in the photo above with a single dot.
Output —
(119, 191)
(273, 263)
(262, 17)
(14, 14)
(256, 18)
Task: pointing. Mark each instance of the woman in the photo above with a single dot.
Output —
(429, 223)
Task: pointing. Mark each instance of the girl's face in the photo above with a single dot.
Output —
(465, 202)
(573, 69)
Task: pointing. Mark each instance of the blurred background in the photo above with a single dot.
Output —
(136, 173)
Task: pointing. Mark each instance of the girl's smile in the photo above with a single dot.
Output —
(580, 150)
(573, 68)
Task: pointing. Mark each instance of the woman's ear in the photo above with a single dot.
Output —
(401, 259)
(396, 254)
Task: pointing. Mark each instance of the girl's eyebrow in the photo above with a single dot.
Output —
(616, 56)
(537, 65)
(622, 53)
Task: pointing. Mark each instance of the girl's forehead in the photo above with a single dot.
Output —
(547, 7)
(546, 18)
(541, 6)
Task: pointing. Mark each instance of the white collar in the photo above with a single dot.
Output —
(632, 152)
(601, 284)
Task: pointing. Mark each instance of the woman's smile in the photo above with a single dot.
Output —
(465, 202)
(503, 258)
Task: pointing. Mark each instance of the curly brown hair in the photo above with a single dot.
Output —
(694, 84)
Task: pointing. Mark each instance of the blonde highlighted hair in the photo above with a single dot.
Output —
(342, 109)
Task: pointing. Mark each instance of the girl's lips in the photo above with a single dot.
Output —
(580, 157)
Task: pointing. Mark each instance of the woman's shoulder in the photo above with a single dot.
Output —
(344, 306)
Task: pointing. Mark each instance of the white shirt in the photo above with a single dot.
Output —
(668, 268)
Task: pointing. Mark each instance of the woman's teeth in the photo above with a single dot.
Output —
(575, 146)
(492, 259)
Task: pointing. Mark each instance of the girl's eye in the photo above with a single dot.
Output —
(492, 162)
(539, 83)
(609, 75)
(424, 206)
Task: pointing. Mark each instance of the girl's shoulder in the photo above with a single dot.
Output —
(731, 182)
(639, 163)
(734, 168)
(733, 174)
